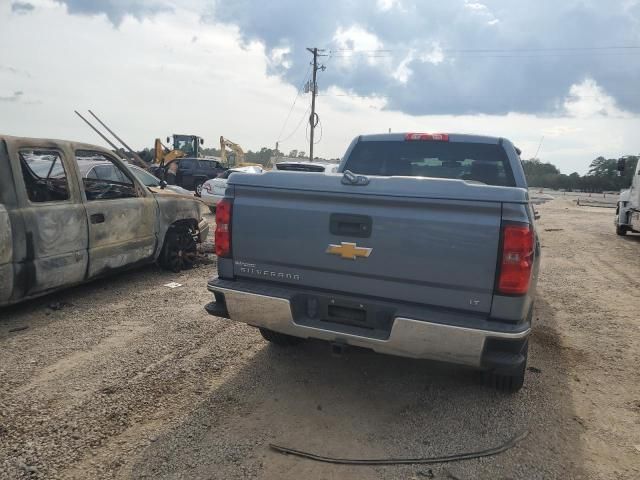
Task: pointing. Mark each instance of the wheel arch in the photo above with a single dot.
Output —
(179, 226)
(180, 223)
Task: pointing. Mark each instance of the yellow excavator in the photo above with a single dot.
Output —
(238, 153)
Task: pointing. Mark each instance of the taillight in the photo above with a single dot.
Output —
(516, 260)
(436, 137)
(223, 228)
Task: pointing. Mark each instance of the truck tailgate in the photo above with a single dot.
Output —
(431, 241)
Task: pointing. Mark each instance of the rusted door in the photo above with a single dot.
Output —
(121, 213)
(53, 224)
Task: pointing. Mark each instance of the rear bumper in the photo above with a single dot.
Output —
(495, 346)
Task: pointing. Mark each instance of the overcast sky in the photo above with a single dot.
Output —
(568, 71)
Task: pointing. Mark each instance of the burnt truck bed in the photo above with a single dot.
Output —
(383, 257)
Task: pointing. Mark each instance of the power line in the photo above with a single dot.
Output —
(539, 55)
(352, 95)
(294, 103)
(543, 49)
(304, 116)
(609, 51)
(493, 50)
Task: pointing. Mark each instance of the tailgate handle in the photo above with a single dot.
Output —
(350, 225)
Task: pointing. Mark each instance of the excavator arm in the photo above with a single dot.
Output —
(235, 148)
(162, 155)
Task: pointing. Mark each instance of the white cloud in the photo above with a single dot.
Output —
(587, 99)
(385, 5)
(279, 57)
(475, 6)
(435, 55)
(481, 10)
(357, 38)
(346, 101)
(358, 43)
(556, 131)
(403, 72)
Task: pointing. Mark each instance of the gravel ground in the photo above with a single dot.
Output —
(126, 378)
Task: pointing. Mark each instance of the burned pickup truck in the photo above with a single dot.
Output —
(66, 219)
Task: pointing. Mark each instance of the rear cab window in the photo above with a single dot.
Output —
(207, 164)
(44, 175)
(476, 162)
(186, 163)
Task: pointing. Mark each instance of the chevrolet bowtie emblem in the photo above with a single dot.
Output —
(349, 250)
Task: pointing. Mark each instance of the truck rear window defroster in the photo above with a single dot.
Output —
(479, 162)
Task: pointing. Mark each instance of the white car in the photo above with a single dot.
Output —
(213, 190)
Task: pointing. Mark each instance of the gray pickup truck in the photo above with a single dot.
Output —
(423, 246)
(71, 212)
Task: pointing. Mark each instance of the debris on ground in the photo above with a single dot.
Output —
(173, 284)
(58, 305)
(404, 461)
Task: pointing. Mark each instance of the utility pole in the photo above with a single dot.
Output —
(313, 118)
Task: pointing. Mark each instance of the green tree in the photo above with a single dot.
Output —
(602, 175)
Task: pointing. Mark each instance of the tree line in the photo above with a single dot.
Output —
(602, 176)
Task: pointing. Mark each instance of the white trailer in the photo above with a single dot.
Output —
(628, 208)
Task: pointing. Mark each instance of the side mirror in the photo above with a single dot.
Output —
(163, 184)
(168, 139)
(202, 141)
(622, 163)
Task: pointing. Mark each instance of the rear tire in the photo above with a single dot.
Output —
(212, 210)
(507, 383)
(198, 188)
(280, 339)
(621, 230)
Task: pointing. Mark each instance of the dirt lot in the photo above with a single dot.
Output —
(129, 379)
